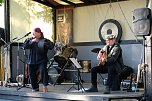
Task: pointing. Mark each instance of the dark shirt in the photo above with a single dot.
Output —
(38, 54)
(115, 57)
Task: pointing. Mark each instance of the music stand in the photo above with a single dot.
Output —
(79, 83)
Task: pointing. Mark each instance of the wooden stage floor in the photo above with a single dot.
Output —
(59, 93)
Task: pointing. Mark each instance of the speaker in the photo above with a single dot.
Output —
(141, 21)
(15, 71)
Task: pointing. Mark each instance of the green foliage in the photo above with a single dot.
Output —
(29, 6)
(1, 1)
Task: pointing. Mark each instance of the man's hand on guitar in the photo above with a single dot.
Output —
(102, 57)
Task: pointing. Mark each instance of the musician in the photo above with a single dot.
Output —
(37, 59)
(112, 65)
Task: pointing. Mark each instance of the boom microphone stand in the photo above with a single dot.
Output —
(24, 61)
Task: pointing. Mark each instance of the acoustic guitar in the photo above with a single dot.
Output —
(103, 57)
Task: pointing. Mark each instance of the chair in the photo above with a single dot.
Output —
(63, 59)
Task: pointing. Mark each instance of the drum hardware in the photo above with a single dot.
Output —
(96, 50)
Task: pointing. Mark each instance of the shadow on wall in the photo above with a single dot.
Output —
(132, 55)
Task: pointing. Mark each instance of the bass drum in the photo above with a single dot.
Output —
(54, 73)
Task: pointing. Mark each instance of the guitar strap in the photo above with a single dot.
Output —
(110, 50)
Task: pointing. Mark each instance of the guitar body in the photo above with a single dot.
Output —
(103, 57)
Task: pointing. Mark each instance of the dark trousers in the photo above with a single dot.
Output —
(34, 72)
(103, 69)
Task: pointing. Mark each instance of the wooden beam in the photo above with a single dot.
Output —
(53, 2)
(44, 2)
(69, 2)
(89, 2)
(56, 5)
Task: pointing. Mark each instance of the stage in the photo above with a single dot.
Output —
(59, 93)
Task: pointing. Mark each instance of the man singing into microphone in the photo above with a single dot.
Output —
(37, 59)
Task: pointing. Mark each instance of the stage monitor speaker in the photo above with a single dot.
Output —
(141, 21)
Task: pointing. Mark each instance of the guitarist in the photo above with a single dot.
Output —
(111, 64)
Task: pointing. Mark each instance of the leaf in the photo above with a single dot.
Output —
(1, 1)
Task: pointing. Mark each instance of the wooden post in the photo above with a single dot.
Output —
(1, 66)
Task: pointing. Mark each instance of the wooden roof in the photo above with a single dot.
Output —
(73, 3)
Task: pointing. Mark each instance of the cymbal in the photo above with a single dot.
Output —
(96, 50)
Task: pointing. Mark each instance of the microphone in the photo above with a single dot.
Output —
(14, 38)
(4, 41)
(27, 34)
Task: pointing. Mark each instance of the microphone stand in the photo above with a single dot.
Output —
(24, 61)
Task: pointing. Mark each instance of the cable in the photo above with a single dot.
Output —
(127, 22)
(112, 9)
(107, 12)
